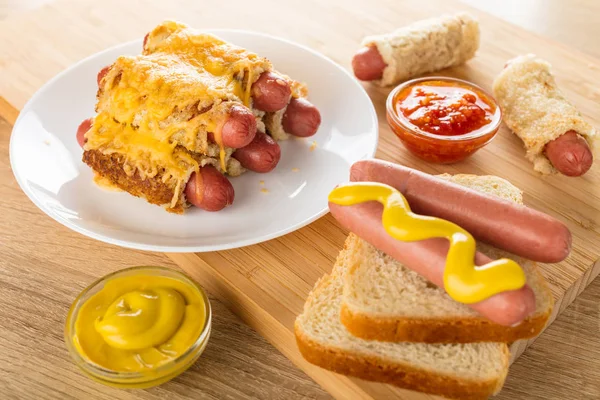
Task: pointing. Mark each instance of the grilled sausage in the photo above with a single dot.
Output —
(501, 223)
(271, 92)
(102, 74)
(367, 63)
(209, 189)
(240, 128)
(262, 155)
(82, 129)
(570, 154)
(301, 118)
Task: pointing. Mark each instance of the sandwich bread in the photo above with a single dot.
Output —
(383, 300)
(375, 319)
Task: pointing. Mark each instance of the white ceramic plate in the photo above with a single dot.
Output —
(46, 159)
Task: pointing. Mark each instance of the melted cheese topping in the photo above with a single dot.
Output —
(155, 106)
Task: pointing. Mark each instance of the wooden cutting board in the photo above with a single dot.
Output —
(266, 284)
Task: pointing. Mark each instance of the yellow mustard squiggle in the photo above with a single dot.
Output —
(463, 281)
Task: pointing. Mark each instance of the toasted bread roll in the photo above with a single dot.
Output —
(424, 46)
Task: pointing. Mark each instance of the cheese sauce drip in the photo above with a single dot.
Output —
(463, 281)
(154, 107)
(138, 323)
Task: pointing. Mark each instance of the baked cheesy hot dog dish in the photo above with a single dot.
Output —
(192, 108)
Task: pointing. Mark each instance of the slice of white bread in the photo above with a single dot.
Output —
(462, 371)
(384, 300)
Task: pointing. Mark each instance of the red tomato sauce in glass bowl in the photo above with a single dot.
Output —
(442, 120)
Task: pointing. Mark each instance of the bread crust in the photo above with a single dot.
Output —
(439, 330)
(405, 376)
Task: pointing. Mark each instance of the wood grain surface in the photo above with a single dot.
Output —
(562, 364)
(573, 23)
(12, 7)
(44, 266)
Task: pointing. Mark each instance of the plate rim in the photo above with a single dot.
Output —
(135, 245)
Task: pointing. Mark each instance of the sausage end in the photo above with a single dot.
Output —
(240, 128)
(262, 155)
(81, 131)
(211, 191)
(510, 308)
(367, 64)
(270, 92)
(301, 118)
(570, 154)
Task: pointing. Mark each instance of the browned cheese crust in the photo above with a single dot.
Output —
(441, 330)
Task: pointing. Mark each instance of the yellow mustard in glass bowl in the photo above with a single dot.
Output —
(138, 327)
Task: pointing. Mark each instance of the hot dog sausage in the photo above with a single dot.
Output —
(428, 258)
(570, 154)
(262, 155)
(82, 129)
(102, 74)
(145, 40)
(209, 189)
(512, 227)
(270, 92)
(367, 63)
(301, 118)
(240, 128)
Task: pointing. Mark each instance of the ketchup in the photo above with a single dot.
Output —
(444, 110)
(442, 120)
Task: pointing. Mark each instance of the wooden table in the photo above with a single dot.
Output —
(43, 266)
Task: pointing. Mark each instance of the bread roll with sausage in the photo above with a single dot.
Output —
(553, 131)
(422, 47)
(298, 118)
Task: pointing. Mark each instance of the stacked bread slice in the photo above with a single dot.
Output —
(375, 319)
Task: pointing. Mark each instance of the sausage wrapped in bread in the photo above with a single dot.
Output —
(425, 46)
(554, 133)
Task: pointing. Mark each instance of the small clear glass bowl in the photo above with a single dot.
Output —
(137, 380)
(441, 149)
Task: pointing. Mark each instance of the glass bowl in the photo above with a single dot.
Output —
(441, 149)
(147, 378)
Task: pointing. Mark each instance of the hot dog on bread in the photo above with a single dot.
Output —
(554, 133)
(512, 227)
